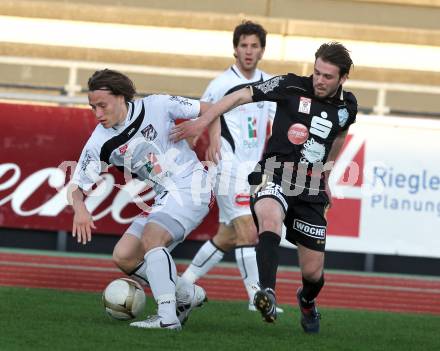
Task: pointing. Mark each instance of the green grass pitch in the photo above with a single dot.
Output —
(42, 319)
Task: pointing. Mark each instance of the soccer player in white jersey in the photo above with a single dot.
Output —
(133, 135)
(243, 135)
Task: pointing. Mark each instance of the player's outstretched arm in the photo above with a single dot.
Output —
(333, 154)
(82, 219)
(213, 151)
(194, 128)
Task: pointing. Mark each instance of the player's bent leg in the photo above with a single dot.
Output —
(245, 255)
(161, 273)
(245, 229)
(128, 253)
(311, 262)
(312, 265)
(210, 253)
(270, 216)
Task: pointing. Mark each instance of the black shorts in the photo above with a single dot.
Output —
(305, 221)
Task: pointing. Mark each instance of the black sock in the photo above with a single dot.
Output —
(310, 291)
(267, 258)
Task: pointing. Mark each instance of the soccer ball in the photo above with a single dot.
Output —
(124, 299)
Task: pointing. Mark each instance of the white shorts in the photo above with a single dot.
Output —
(179, 209)
(232, 189)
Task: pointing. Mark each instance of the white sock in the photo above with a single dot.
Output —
(206, 258)
(140, 274)
(247, 264)
(162, 275)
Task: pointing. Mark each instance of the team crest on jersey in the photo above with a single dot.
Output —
(149, 132)
(343, 116)
(304, 105)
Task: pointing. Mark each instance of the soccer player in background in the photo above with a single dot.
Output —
(291, 181)
(133, 135)
(237, 140)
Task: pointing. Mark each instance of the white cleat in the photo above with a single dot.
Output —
(156, 322)
(184, 308)
(252, 308)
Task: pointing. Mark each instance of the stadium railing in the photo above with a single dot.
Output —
(72, 92)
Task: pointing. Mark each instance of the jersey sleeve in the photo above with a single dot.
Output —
(274, 89)
(352, 108)
(88, 169)
(213, 93)
(179, 107)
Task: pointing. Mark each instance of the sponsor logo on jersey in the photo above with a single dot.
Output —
(250, 144)
(130, 132)
(314, 231)
(304, 105)
(252, 127)
(343, 116)
(152, 164)
(297, 133)
(321, 126)
(123, 149)
(149, 133)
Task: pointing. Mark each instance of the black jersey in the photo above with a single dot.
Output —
(303, 132)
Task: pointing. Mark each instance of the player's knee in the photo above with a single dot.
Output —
(269, 219)
(152, 240)
(246, 231)
(312, 273)
(270, 223)
(224, 242)
(123, 259)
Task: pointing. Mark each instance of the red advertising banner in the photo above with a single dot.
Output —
(37, 144)
(39, 147)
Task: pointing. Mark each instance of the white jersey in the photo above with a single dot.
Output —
(141, 146)
(243, 128)
(243, 132)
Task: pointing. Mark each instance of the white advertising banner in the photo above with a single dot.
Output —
(394, 173)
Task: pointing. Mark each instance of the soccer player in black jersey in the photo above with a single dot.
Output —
(291, 181)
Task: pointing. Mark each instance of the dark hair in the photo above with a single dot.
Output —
(336, 54)
(249, 28)
(113, 81)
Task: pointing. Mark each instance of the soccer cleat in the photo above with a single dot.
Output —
(252, 308)
(265, 302)
(156, 322)
(309, 316)
(183, 309)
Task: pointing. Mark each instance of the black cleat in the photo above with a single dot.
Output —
(265, 302)
(309, 316)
